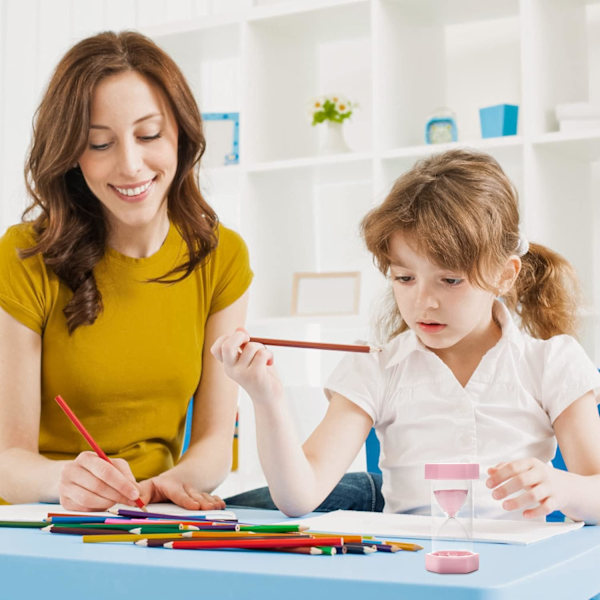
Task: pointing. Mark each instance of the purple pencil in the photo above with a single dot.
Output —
(123, 512)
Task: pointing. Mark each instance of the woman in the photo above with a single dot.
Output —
(114, 292)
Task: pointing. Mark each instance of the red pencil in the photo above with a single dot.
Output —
(198, 544)
(316, 345)
(89, 438)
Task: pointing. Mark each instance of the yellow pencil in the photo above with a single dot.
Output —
(404, 545)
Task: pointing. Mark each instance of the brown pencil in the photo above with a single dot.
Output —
(316, 345)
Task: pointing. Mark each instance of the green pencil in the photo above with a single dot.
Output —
(30, 524)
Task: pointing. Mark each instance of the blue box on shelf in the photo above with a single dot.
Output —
(498, 120)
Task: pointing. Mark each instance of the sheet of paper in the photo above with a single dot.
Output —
(419, 526)
(37, 512)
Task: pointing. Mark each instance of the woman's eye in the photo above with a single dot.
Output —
(148, 138)
(99, 146)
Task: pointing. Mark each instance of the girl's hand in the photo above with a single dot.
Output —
(90, 483)
(167, 488)
(248, 363)
(543, 489)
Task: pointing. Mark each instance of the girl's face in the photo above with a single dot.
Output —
(131, 156)
(441, 306)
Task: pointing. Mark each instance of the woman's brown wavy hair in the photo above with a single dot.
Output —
(461, 210)
(69, 224)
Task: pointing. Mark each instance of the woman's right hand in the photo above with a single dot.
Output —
(89, 483)
(248, 363)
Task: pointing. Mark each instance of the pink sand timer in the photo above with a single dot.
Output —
(452, 517)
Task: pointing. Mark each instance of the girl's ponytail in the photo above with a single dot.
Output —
(545, 294)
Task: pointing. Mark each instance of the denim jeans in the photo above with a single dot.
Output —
(355, 491)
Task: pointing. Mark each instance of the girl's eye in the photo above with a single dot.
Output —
(403, 278)
(453, 281)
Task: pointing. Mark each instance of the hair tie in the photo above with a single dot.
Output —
(522, 246)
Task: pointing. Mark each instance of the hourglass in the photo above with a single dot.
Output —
(452, 517)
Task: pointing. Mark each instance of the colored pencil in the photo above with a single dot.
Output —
(316, 550)
(123, 512)
(331, 550)
(274, 528)
(403, 545)
(82, 519)
(80, 530)
(292, 549)
(124, 527)
(359, 549)
(89, 438)
(316, 345)
(348, 539)
(95, 538)
(156, 542)
(25, 524)
(279, 543)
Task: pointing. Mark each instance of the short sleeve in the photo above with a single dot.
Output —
(232, 272)
(359, 378)
(24, 284)
(568, 374)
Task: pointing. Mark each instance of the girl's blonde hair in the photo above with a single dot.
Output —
(461, 210)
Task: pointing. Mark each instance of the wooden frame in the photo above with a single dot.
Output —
(335, 293)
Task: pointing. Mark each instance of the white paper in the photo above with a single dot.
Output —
(38, 512)
(418, 526)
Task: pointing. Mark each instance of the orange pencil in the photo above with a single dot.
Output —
(316, 345)
(89, 438)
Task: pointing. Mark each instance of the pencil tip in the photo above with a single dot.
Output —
(47, 528)
(376, 349)
(141, 542)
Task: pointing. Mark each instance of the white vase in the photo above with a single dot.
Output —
(333, 141)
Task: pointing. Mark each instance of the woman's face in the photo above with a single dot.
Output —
(131, 155)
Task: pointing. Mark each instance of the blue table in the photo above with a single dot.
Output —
(34, 564)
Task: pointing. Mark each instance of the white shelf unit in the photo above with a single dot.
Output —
(400, 60)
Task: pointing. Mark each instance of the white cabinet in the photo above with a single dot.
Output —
(400, 60)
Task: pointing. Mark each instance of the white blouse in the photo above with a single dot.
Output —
(422, 414)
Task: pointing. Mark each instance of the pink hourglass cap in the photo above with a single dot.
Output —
(451, 471)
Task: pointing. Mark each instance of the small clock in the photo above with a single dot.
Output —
(441, 128)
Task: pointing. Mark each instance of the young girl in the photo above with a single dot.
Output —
(458, 380)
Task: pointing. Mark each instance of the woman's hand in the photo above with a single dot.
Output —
(249, 364)
(168, 488)
(542, 488)
(90, 483)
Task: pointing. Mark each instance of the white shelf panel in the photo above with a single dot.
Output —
(442, 12)
(308, 162)
(580, 144)
(297, 7)
(485, 145)
(197, 24)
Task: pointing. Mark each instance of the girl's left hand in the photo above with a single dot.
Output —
(542, 487)
(165, 488)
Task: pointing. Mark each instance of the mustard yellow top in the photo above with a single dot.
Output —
(130, 375)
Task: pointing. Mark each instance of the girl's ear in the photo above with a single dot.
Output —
(508, 275)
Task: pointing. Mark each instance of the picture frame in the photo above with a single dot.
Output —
(333, 293)
(222, 134)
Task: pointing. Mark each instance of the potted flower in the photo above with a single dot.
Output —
(332, 110)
